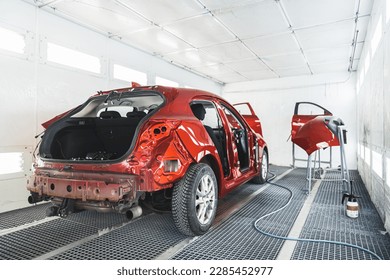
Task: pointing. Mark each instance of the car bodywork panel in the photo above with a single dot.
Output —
(312, 132)
(246, 110)
(166, 141)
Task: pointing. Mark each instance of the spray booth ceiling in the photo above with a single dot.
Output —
(232, 40)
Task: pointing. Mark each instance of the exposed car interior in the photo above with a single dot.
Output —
(102, 130)
(207, 114)
(240, 137)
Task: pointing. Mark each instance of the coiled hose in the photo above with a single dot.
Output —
(302, 239)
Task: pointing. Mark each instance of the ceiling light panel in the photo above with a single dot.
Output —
(261, 18)
(303, 13)
(329, 35)
(287, 72)
(214, 69)
(201, 31)
(340, 66)
(191, 58)
(273, 45)
(40, 2)
(155, 40)
(231, 78)
(226, 4)
(35, 2)
(105, 15)
(328, 55)
(259, 75)
(295, 60)
(222, 38)
(165, 11)
(247, 65)
(229, 51)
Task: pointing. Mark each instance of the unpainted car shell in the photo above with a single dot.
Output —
(172, 132)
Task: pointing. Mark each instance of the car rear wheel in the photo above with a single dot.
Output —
(261, 178)
(194, 200)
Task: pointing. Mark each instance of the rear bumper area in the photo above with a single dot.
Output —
(84, 190)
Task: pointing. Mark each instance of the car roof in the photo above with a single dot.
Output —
(170, 93)
(179, 96)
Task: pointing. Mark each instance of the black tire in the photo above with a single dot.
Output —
(195, 200)
(261, 178)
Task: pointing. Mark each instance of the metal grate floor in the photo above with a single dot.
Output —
(327, 221)
(34, 241)
(333, 174)
(236, 238)
(144, 238)
(92, 235)
(241, 193)
(23, 216)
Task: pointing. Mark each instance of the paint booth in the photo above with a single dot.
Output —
(54, 55)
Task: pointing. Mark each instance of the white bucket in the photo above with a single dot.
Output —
(352, 209)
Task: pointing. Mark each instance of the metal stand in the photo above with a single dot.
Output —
(312, 170)
(344, 169)
(295, 159)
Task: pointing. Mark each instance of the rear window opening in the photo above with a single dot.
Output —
(103, 129)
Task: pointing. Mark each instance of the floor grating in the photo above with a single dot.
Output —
(327, 220)
(111, 236)
(23, 216)
(236, 238)
(144, 238)
(242, 192)
(34, 241)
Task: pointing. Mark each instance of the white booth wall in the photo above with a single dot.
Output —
(34, 89)
(373, 101)
(274, 101)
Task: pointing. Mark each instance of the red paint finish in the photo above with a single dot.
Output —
(250, 116)
(169, 135)
(310, 132)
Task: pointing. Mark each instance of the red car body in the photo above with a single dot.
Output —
(112, 162)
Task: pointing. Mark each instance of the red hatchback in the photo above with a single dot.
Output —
(170, 149)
